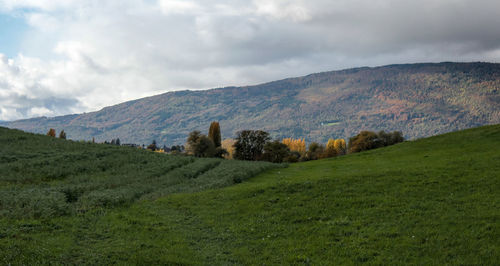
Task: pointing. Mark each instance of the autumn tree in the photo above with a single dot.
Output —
(51, 132)
(249, 144)
(339, 146)
(330, 150)
(298, 145)
(365, 140)
(62, 134)
(214, 133)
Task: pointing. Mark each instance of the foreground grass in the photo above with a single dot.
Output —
(432, 201)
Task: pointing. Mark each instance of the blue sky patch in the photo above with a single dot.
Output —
(12, 30)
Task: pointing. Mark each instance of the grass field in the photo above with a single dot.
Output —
(431, 201)
(43, 177)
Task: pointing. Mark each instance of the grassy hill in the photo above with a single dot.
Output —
(46, 177)
(430, 201)
(418, 99)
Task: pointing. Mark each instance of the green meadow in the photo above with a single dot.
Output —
(432, 201)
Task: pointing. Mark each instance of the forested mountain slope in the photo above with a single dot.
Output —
(418, 99)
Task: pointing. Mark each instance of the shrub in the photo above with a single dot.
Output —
(275, 152)
(315, 151)
(367, 140)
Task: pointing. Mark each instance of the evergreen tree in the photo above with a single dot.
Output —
(214, 133)
(62, 134)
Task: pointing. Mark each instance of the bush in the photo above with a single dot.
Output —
(367, 140)
(275, 152)
(315, 151)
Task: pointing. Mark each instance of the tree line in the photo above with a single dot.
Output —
(257, 145)
(52, 133)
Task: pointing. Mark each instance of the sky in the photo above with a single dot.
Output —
(71, 56)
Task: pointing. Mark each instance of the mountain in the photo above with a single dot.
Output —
(418, 99)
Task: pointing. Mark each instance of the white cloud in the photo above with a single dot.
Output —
(85, 55)
(178, 7)
(24, 94)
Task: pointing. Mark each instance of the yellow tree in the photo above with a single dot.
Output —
(340, 146)
(330, 148)
(298, 145)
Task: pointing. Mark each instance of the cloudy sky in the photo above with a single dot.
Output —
(70, 56)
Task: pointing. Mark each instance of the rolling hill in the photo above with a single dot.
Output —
(432, 201)
(418, 99)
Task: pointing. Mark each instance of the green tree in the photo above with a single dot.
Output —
(204, 147)
(62, 134)
(200, 145)
(249, 144)
(275, 152)
(214, 133)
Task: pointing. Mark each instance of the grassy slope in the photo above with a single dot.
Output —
(432, 201)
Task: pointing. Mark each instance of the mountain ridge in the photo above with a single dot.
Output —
(420, 99)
